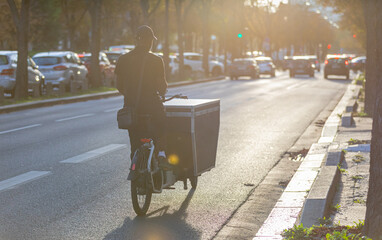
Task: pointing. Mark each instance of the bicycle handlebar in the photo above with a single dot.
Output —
(164, 99)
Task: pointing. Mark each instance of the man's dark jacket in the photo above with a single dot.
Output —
(154, 83)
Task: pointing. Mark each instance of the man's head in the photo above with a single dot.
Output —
(145, 37)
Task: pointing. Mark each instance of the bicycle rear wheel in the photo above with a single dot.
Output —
(140, 187)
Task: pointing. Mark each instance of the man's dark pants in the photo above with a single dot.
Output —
(153, 127)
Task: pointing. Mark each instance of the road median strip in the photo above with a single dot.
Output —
(86, 97)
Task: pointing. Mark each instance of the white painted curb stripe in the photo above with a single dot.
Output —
(21, 179)
(21, 128)
(94, 153)
(75, 117)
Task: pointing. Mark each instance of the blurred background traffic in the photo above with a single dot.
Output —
(196, 38)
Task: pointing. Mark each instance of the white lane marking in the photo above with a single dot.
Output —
(75, 117)
(21, 179)
(293, 86)
(94, 153)
(111, 110)
(21, 128)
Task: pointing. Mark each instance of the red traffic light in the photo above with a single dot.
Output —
(354, 35)
(329, 46)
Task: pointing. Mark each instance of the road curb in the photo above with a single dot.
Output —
(313, 177)
(86, 97)
(317, 204)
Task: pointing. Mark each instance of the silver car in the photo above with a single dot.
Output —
(61, 67)
(8, 66)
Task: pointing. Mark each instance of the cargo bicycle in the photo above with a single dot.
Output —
(188, 120)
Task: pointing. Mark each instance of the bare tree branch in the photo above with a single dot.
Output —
(15, 13)
(155, 8)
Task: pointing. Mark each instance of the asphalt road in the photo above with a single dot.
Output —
(54, 186)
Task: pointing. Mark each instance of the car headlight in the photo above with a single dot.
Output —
(37, 78)
(78, 72)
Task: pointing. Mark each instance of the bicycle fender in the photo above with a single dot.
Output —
(132, 174)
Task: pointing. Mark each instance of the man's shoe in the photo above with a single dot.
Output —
(164, 164)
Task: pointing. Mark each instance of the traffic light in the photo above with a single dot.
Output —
(329, 46)
(354, 35)
(239, 35)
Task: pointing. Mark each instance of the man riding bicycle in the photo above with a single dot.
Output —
(142, 65)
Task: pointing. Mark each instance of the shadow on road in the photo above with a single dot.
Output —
(158, 225)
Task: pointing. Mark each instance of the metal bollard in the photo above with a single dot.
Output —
(61, 88)
(49, 89)
(1, 94)
(36, 89)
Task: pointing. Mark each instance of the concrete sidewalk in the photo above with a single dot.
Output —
(350, 198)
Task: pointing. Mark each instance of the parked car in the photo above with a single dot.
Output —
(107, 69)
(301, 66)
(315, 62)
(266, 66)
(358, 64)
(244, 67)
(287, 63)
(61, 67)
(336, 65)
(173, 64)
(193, 63)
(8, 66)
(114, 55)
(121, 48)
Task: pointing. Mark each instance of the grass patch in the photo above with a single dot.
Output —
(353, 141)
(359, 201)
(358, 158)
(342, 170)
(356, 178)
(335, 208)
(56, 96)
(325, 232)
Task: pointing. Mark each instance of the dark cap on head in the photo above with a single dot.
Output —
(145, 32)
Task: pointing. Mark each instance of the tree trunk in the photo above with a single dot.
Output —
(206, 36)
(145, 10)
(179, 20)
(371, 62)
(166, 50)
(373, 219)
(95, 45)
(21, 22)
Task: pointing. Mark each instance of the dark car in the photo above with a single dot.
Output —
(301, 66)
(114, 55)
(336, 65)
(287, 63)
(358, 64)
(244, 67)
(315, 62)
